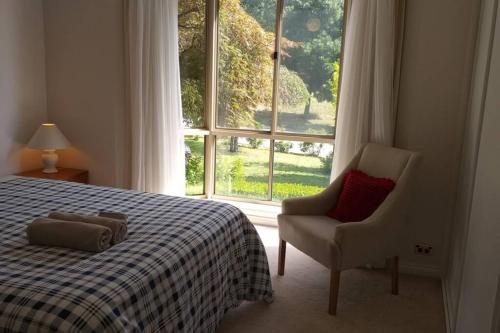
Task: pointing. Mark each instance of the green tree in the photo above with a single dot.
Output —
(192, 58)
(245, 65)
(334, 82)
(292, 90)
(316, 49)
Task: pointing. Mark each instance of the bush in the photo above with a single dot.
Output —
(326, 162)
(255, 143)
(307, 147)
(334, 82)
(237, 170)
(194, 169)
(283, 146)
(292, 90)
(230, 171)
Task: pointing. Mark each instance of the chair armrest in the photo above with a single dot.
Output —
(377, 237)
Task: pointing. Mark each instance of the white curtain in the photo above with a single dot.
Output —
(157, 152)
(370, 77)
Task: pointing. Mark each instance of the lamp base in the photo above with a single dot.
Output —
(49, 158)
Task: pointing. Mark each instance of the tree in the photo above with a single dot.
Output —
(244, 61)
(334, 82)
(319, 45)
(192, 57)
(292, 90)
(245, 65)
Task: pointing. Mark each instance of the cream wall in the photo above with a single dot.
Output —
(85, 71)
(435, 79)
(22, 82)
(85, 83)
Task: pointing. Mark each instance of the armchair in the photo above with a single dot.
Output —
(340, 246)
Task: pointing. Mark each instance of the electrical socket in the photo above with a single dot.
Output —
(423, 249)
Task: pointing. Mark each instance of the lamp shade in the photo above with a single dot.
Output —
(48, 137)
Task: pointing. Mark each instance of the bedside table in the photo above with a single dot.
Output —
(69, 175)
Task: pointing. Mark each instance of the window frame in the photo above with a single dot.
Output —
(211, 130)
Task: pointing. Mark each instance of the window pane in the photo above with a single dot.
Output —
(245, 64)
(194, 147)
(310, 54)
(242, 167)
(192, 57)
(300, 168)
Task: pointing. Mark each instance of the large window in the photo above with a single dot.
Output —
(259, 88)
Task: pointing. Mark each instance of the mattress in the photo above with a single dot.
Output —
(184, 264)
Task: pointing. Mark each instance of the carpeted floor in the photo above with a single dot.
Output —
(365, 302)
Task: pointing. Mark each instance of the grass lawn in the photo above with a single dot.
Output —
(245, 173)
(292, 119)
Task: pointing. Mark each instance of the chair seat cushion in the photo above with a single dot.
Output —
(312, 235)
(360, 196)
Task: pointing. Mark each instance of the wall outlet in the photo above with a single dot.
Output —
(423, 249)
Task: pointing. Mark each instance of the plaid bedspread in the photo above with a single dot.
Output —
(184, 264)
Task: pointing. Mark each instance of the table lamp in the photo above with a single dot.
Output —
(49, 138)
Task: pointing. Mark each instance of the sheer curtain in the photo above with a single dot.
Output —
(370, 77)
(157, 152)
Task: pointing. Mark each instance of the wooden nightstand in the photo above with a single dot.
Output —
(69, 175)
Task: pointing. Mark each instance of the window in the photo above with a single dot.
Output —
(242, 167)
(300, 168)
(259, 87)
(194, 148)
(310, 57)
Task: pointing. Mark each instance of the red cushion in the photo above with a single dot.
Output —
(360, 196)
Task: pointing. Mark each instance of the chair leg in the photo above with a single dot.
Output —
(281, 258)
(395, 275)
(334, 291)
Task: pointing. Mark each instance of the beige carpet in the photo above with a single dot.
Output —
(365, 302)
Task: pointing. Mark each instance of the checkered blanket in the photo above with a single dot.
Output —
(184, 264)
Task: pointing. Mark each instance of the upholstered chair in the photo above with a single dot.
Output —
(340, 246)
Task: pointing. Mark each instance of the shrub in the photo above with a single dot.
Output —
(283, 146)
(292, 90)
(255, 143)
(194, 169)
(229, 170)
(223, 173)
(326, 162)
(307, 147)
(334, 82)
(237, 170)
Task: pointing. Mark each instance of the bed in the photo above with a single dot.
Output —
(184, 264)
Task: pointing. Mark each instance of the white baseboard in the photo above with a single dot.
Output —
(420, 270)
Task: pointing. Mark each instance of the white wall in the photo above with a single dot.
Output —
(460, 225)
(22, 82)
(435, 80)
(85, 83)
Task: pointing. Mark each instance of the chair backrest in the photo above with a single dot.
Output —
(383, 162)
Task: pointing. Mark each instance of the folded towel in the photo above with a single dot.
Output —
(118, 227)
(113, 215)
(77, 235)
